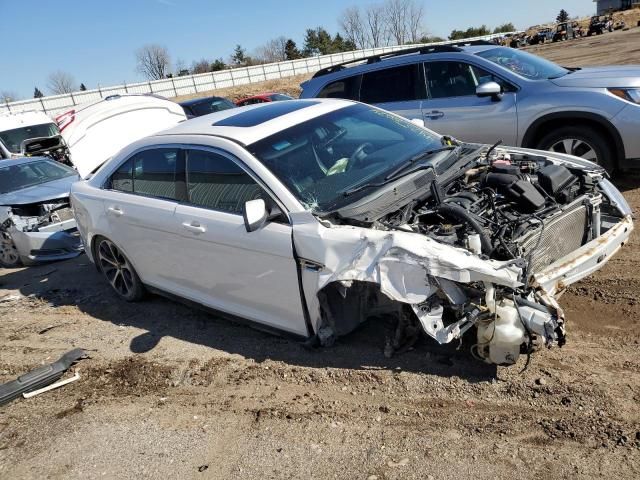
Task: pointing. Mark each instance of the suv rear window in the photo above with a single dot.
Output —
(347, 88)
(397, 84)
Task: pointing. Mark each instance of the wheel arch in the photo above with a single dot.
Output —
(546, 123)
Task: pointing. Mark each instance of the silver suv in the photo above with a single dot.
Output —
(480, 92)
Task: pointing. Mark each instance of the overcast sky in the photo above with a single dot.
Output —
(95, 40)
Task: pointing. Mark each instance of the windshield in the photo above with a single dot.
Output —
(212, 106)
(279, 96)
(17, 177)
(523, 63)
(319, 160)
(12, 139)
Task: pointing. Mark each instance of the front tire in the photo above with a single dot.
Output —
(584, 142)
(9, 256)
(118, 271)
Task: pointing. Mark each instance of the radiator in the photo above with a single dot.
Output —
(562, 235)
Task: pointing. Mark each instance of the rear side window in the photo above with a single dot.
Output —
(398, 84)
(155, 172)
(216, 182)
(345, 88)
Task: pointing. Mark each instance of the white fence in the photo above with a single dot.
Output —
(204, 82)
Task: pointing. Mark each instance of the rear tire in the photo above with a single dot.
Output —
(118, 271)
(9, 256)
(584, 142)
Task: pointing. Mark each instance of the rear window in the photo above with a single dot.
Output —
(348, 88)
(211, 106)
(398, 84)
(12, 139)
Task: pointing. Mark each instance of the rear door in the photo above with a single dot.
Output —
(453, 108)
(399, 89)
(140, 202)
(251, 275)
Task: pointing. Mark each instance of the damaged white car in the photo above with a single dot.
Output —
(312, 216)
(36, 221)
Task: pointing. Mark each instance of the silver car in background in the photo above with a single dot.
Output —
(480, 92)
(36, 221)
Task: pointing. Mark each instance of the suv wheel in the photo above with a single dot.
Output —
(118, 271)
(9, 256)
(583, 142)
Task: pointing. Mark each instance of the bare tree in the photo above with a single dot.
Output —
(153, 61)
(7, 96)
(201, 66)
(353, 27)
(415, 19)
(60, 82)
(376, 26)
(396, 12)
(274, 50)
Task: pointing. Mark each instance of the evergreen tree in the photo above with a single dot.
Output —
(37, 93)
(563, 16)
(291, 50)
(218, 65)
(82, 87)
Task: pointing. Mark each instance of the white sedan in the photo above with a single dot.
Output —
(311, 216)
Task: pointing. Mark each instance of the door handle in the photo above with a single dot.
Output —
(116, 211)
(434, 114)
(194, 227)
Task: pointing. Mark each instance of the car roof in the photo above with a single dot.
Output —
(246, 125)
(195, 101)
(9, 121)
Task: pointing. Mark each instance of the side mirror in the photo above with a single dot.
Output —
(418, 121)
(489, 89)
(255, 214)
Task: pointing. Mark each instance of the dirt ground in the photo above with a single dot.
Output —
(172, 392)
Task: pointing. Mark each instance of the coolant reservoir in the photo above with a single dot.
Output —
(499, 342)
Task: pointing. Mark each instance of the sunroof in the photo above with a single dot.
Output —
(264, 113)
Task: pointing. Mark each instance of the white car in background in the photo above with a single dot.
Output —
(96, 131)
(30, 133)
(311, 216)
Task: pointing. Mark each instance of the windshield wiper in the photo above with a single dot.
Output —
(395, 174)
(417, 158)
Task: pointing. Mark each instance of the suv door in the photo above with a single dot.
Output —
(251, 275)
(400, 89)
(453, 108)
(140, 201)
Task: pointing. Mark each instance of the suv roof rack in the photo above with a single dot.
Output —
(383, 56)
(425, 49)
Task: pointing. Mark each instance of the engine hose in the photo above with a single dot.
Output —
(461, 214)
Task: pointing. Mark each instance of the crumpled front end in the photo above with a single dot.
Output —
(42, 231)
(432, 274)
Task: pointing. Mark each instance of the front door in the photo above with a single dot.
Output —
(251, 275)
(454, 109)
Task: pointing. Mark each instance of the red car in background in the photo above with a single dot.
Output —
(263, 98)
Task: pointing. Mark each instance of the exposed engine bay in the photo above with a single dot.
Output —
(38, 217)
(53, 147)
(522, 211)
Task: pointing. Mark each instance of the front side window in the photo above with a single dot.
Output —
(397, 84)
(12, 139)
(216, 182)
(457, 79)
(155, 172)
(524, 64)
(24, 175)
(321, 159)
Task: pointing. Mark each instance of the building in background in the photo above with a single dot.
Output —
(606, 6)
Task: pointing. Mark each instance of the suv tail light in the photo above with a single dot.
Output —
(65, 119)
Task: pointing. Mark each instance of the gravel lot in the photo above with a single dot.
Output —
(171, 392)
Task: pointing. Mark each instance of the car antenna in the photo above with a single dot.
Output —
(493, 147)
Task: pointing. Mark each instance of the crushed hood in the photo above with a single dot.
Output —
(40, 193)
(601, 77)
